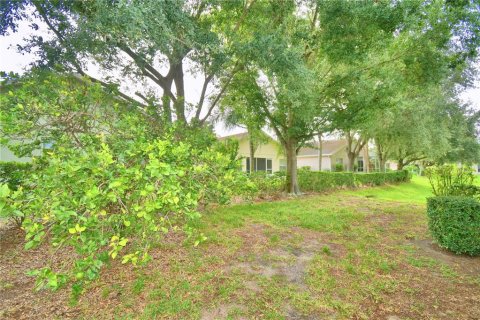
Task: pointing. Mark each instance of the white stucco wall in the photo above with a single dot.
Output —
(269, 150)
(312, 162)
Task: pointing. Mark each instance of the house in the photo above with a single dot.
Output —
(333, 153)
(269, 156)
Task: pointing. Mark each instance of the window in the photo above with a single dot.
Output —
(339, 161)
(360, 164)
(283, 165)
(260, 164)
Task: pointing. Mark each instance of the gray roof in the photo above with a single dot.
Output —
(329, 147)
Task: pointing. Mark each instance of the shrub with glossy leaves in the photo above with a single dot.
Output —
(113, 200)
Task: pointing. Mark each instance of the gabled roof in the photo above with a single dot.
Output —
(244, 135)
(238, 136)
(329, 147)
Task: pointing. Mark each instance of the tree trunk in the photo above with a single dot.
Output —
(351, 161)
(382, 164)
(381, 154)
(350, 152)
(179, 105)
(252, 155)
(366, 160)
(292, 179)
(400, 164)
(320, 152)
(167, 112)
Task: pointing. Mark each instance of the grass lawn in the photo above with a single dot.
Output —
(414, 192)
(362, 254)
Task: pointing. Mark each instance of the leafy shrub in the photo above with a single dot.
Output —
(317, 181)
(465, 190)
(454, 222)
(379, 178)
(13, 177)
(374, 178)
(450, 179)
(12, 173)
(116, 199)
(267, 185)
(338, 167)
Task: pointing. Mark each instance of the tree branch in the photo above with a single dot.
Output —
(220, 94)
(202, 95)
(149, 71)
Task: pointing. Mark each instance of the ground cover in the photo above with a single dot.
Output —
(362, 254)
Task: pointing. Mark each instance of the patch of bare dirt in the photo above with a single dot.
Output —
(287, 259)
(222, 312)
(18, 300)
(462, 263)
(423, 294)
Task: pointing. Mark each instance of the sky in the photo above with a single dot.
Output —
(13, 61)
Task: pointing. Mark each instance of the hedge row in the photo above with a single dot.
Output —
(454, 222)
(316, 181)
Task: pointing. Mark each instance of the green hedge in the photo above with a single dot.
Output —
(454, 222)
(12, 173)
(379, 178)
(320, 181)
(316, 181)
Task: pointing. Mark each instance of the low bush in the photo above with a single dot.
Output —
(450, 180)
(374, 178)
(454, 222)
(115, 199)
(266, 185)
(379, 178)
(317, 181)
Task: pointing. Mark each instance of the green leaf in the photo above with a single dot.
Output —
(4, 191)
(115, 184)
(29, 245)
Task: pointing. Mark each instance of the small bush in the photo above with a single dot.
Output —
(267, 185)
(454, 222)
(338, 167)
(449, 179)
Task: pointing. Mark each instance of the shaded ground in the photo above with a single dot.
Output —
(336, 256)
